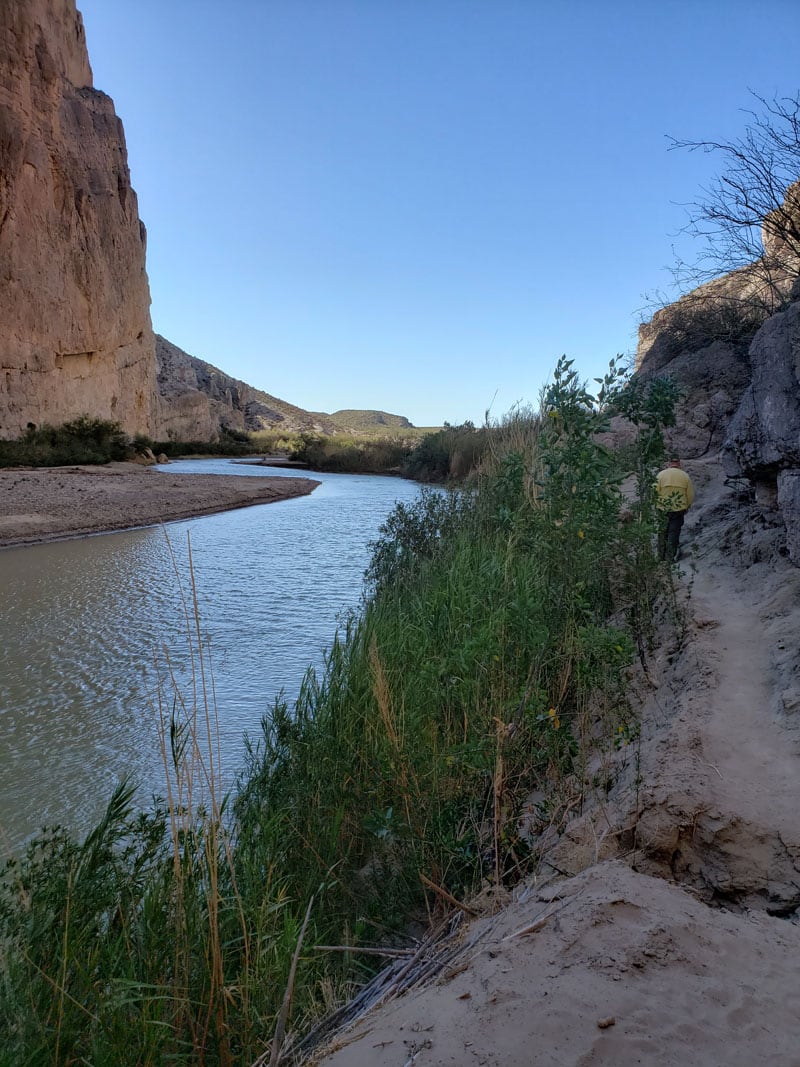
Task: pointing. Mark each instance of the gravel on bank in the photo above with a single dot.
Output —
(44, 504)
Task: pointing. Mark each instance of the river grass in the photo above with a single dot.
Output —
(486, 666)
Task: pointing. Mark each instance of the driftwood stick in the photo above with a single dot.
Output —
(446, 896)
(402, 974)
(541, 920)
(391, 953)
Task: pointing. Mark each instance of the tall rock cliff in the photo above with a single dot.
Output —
(736, 358)
(75, 331)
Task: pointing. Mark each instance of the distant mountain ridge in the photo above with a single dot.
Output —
(197, 401)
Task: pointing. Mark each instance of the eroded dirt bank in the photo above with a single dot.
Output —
(44, 504)
(662, 927)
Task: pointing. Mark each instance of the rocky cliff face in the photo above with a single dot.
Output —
(702, 341)
(75, 332)
(763, 438)
(737, 360)
(197, 400)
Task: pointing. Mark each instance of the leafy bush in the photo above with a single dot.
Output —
(228, 443)
(83, 440)
(452, 452)
(351, 455)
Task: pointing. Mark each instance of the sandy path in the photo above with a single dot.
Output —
(756, 760)
(43, 504)
(626, 970)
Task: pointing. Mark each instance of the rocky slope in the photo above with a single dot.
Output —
(74, 297)
(736, 356)
(196, 400)
(369, 421)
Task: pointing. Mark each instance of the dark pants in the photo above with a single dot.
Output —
(670, 534)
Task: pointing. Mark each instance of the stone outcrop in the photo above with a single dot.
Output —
(75, 332)
(763, 438)
(702, 341)
(764, 434)
(736, 357)
(197, 401)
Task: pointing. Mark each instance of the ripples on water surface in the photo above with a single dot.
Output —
(85, 622)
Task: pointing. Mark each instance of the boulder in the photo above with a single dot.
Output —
(145, 458)
(764, 434)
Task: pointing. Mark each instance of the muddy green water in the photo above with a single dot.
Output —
(90, 625)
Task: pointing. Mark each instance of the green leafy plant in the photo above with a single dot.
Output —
(83, 440)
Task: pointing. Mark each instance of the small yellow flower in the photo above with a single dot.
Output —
(618, 648)
(552, 713)
(581, 534)
(556, 722)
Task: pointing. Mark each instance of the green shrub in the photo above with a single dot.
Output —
(229, 443)
(83, 440)
(452, 452)
(351, 455)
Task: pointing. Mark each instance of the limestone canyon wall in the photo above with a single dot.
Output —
(738, 365)
(75, 331)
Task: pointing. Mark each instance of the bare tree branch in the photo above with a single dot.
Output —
(748, 218)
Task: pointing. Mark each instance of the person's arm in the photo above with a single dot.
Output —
(689, 492)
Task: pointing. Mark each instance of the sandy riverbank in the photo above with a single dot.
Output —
(53, 502)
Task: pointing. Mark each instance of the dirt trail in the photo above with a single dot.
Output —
(755, 757)
(663, 927)
(721, 752)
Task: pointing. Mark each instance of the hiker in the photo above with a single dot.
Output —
(675, 495)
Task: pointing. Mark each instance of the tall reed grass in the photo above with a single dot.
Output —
(484, 666)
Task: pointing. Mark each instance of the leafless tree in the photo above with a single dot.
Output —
(748, 218)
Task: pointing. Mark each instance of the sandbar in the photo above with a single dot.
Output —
(49, 503)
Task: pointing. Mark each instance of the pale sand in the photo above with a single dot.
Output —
(54, 502)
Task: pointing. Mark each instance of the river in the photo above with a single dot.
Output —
(90, 624)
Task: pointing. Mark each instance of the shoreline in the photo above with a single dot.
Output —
(55, 503)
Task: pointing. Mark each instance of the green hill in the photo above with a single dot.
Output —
(371, 421)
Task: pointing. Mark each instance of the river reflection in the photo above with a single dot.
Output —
(88, 624)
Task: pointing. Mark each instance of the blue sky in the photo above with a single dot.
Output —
(418, 205)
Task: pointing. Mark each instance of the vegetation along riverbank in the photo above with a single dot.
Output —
(425, 454)
(486, 667)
